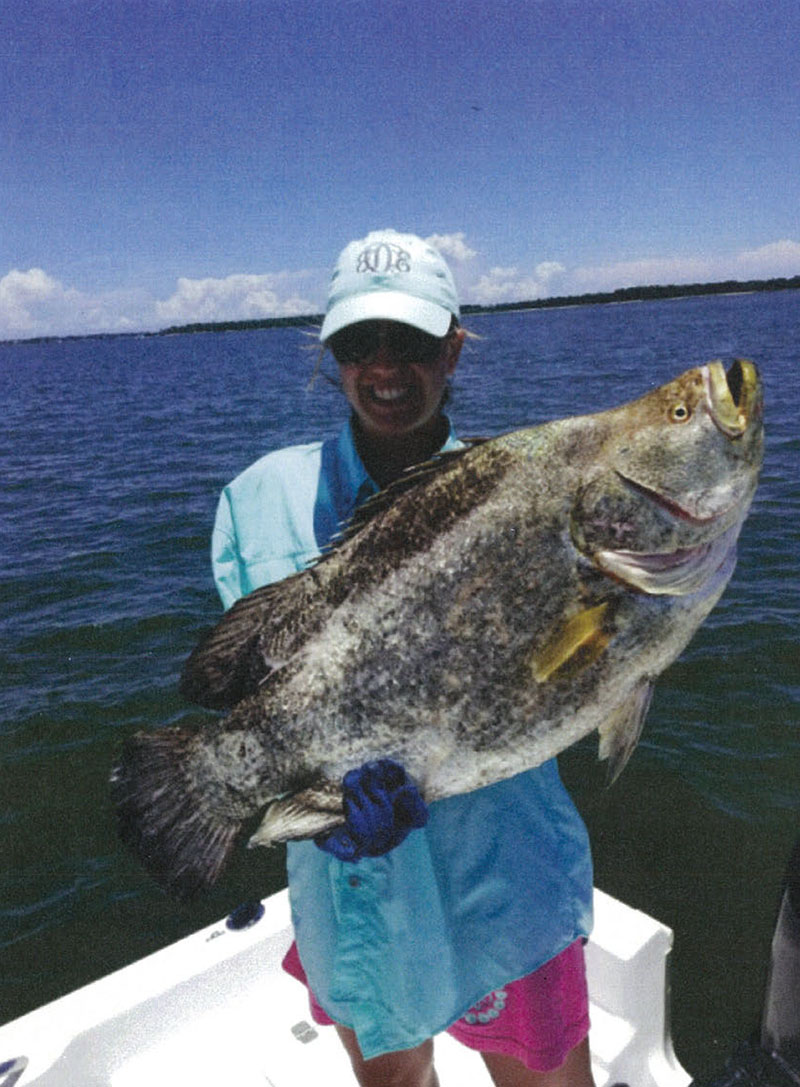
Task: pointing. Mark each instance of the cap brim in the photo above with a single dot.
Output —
(387, 306)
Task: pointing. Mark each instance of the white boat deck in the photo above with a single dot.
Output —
(216, 1008)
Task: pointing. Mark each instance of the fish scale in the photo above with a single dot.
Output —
(475, 620)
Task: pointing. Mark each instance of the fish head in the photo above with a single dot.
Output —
(696, 442)
(674, 476)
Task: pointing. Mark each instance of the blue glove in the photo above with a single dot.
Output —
(381, 806)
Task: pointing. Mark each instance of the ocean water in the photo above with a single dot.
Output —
(113, 453)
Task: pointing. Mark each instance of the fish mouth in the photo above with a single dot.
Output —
(732, 397)
(670, 505)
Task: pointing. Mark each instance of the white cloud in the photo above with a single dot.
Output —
(550, 278)
(636, 273)
(34, 303)
(234, 298)
(453, 246)
(776, 260)
(509, 284)
(548, 269)
(25, 297)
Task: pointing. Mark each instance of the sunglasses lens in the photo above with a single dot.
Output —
(360, 342)
(416, 346)
(353, 344)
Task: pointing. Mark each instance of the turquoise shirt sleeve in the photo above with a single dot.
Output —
(264, 526)
(226, 562)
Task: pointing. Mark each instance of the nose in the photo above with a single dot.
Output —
(385, 356)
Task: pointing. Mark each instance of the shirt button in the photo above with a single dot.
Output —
(354, 881)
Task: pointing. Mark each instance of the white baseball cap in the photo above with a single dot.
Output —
(391, 277)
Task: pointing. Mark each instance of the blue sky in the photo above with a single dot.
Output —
(166, 161)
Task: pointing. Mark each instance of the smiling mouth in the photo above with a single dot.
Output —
(393, 395)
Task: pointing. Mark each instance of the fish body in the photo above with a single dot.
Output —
(477, 619)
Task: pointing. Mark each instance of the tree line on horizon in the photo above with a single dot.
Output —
(622, 294)
(645, 293)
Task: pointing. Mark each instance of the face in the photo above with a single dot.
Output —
(393, 376)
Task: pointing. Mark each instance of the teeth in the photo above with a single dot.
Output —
(389, 394)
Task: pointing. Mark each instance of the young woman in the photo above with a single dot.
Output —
(468, 917)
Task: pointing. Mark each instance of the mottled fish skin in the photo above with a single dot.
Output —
(484, 616)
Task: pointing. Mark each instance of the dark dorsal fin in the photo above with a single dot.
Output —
(255, 638)
(263, 630)
(410, 479)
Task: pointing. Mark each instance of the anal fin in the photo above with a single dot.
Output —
(306, 814)
(620, 733)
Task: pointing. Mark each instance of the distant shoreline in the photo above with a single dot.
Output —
(622, 294)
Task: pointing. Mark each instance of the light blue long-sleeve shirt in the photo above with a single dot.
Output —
(498, 882)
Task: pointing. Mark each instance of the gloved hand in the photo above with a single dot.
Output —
(381, 806)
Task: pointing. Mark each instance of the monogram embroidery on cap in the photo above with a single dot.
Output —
(383, 259)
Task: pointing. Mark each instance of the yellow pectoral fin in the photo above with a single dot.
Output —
(579, 642)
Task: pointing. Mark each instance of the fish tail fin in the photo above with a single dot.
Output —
(165, 820)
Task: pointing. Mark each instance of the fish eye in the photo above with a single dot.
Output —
(680, 412)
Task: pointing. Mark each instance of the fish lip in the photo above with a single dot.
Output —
(730, 397)
(670, 505)
(692, 566)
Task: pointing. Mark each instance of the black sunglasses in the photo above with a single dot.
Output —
(357, 343)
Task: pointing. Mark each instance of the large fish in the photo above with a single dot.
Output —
(481, 616)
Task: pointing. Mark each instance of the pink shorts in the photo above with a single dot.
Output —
(537, 1019)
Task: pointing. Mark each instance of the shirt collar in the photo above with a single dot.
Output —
(352, 466)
